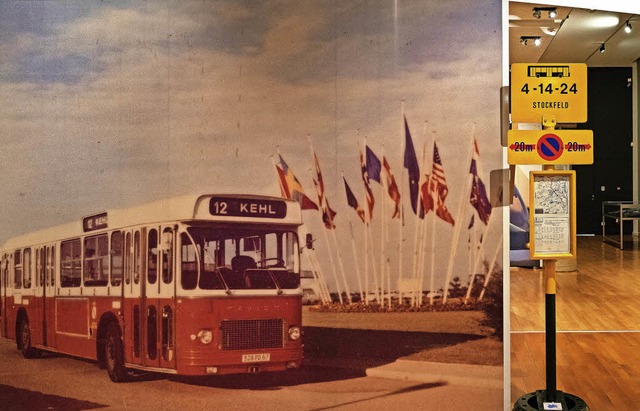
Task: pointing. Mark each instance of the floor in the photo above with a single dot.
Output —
(598, 327)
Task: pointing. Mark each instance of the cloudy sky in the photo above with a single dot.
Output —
(108, 104)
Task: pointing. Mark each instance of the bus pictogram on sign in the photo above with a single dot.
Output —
(548, 71)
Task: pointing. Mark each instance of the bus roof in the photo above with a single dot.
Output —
(250, 209)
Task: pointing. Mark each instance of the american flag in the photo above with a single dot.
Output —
(438, 184)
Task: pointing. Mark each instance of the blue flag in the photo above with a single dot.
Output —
(411, 164)
(373, 165)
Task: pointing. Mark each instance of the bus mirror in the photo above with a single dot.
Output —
(309, 241)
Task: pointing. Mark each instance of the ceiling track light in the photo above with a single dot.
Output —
(537, 12)
(602, 48)
(524, 40)
(627, 27)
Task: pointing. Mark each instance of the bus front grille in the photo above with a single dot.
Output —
(252, 334)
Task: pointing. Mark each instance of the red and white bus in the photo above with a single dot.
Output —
(194, 285)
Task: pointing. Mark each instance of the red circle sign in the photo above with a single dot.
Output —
(550, 147)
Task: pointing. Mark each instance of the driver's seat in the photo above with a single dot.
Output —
(241, 263)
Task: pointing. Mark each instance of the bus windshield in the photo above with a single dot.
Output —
(214, 258)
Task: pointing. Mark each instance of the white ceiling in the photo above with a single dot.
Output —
(574, 36)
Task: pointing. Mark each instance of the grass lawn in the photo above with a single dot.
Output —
(450, 336)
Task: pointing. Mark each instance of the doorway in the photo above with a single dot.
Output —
(610, 178)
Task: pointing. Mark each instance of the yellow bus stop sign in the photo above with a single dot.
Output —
(544, 89)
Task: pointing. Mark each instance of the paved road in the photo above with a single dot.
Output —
(56, 382)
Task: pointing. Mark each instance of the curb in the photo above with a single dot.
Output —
(482, 376)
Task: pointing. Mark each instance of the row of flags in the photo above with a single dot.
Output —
(427, 190)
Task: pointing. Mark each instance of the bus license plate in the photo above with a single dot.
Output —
(263, 357)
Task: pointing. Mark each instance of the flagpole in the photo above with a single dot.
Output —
(369, 213)
(480, 248)
(322, 277)
(433, 254)
(355, 258)
(433, 231)
(423, 233)
(333, 265)
(355, 254)
(477, 259)
(383, 229)
(401, 242)
(456, 233)
(423, 229)
(493, 264)
(322, 200)
(315, 269)
(375, 271)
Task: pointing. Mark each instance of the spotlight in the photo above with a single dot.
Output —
(537, 12)
(524, 40)
(602, 48)
(627, 27)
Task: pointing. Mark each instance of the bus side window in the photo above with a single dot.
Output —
(70, 263)
(17, 269)
(51, 256)
(152, 256)
(116, 258)
(188, 263)
(26, 269)
(96, 262)
(40, 266)
(137, 258)
(167, 256)
(127, 259)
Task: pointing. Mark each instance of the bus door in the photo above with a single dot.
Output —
(49, 290)
(160, 298)
(133, 303)
(39, 323)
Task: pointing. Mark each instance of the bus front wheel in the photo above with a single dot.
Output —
(25, 341)
(114, 354)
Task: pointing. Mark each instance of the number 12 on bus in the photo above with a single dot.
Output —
(194, 286)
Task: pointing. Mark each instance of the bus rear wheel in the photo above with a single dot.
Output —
(114, 354)
(25, 341)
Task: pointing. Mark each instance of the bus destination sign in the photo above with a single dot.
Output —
(546, 89)
(246, 207)
(95, 222)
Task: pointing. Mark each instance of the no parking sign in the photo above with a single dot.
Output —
(550, 147)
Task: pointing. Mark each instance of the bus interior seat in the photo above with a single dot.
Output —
(241, 263)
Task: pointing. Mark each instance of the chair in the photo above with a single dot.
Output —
(241, 263)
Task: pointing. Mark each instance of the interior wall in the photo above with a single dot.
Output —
(636, 132)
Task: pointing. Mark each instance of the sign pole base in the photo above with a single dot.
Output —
(536, 401)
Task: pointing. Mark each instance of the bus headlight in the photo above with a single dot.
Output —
(205, 336)
(294, 333)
